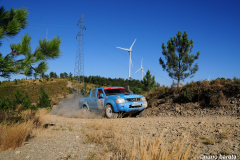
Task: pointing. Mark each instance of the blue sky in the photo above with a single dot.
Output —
(213, 25)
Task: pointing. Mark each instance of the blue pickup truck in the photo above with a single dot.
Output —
(114, 100)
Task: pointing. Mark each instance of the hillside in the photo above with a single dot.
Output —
(56, 88)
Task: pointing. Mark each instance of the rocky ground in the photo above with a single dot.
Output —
(68, 138)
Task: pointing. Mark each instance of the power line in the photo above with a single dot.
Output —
(123, 54)
(103, 42)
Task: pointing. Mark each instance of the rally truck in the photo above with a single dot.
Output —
(114, 100)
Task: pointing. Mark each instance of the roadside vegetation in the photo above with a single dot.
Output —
(214, 93)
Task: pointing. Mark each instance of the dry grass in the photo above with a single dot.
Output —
(118, 143)
(224, 135)
(13, 136)
(156, 149)
(207, 141)
(100, 133)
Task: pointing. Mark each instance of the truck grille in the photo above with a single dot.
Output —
(133, 99)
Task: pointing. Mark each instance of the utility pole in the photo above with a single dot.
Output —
(78, 80)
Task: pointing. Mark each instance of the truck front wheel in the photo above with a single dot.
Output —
(109, 112)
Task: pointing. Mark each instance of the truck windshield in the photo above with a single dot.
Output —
(113, 91)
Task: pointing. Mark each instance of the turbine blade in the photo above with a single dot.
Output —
(133, 44)
(144, 72)
(141, 62)
(123, 48)
(138, 70)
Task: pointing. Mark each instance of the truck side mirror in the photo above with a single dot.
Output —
(101, 95)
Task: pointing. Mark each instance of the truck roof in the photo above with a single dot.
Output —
(109, 87)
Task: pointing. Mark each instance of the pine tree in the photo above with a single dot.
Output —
(2, 103)
(18, 97)
(178, 64)
(44, 100)
(51, 74)
(70, 75)
(26, 103)
(149, 81)
(11, 22)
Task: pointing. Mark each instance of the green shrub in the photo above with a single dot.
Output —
(189, 94)
(26, 103)
(18, 97)
(44, 100)
(2, 103)
(69, 90)
(9, 104)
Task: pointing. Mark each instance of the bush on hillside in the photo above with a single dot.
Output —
(44, 100)
(208, 94)
(18, 97)
(26, 103)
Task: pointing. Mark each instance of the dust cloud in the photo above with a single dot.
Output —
(70, 108)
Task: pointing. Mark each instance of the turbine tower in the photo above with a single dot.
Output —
(130, 60)
(141, 69)
(79, 62)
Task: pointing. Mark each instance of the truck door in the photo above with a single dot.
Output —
(92, 101)
(100, 100)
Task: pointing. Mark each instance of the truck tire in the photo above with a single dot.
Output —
(109, 112)
(142, 113)
(85, 108)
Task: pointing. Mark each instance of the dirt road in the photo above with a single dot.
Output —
(78, 138)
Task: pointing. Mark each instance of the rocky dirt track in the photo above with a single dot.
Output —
(68, 138)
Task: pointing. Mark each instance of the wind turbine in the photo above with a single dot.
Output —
(130, 60)
(141, 69)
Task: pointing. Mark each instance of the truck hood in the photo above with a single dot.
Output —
(125, 96)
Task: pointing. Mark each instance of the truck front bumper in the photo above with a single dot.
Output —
(131, 106)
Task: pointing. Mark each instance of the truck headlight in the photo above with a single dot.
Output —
(120, 100)
(142, 99)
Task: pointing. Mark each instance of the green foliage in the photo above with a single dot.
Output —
(149, 81)
(178, 65)
(70, 75)
(53, 75)
(26, 103)
(64, 75)
(9, 104)
(15, 81)
(69, 90)
(11, 22)
(18, 97)
(44, 100)
(189, 93)
(2, 103)
(136, 90)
